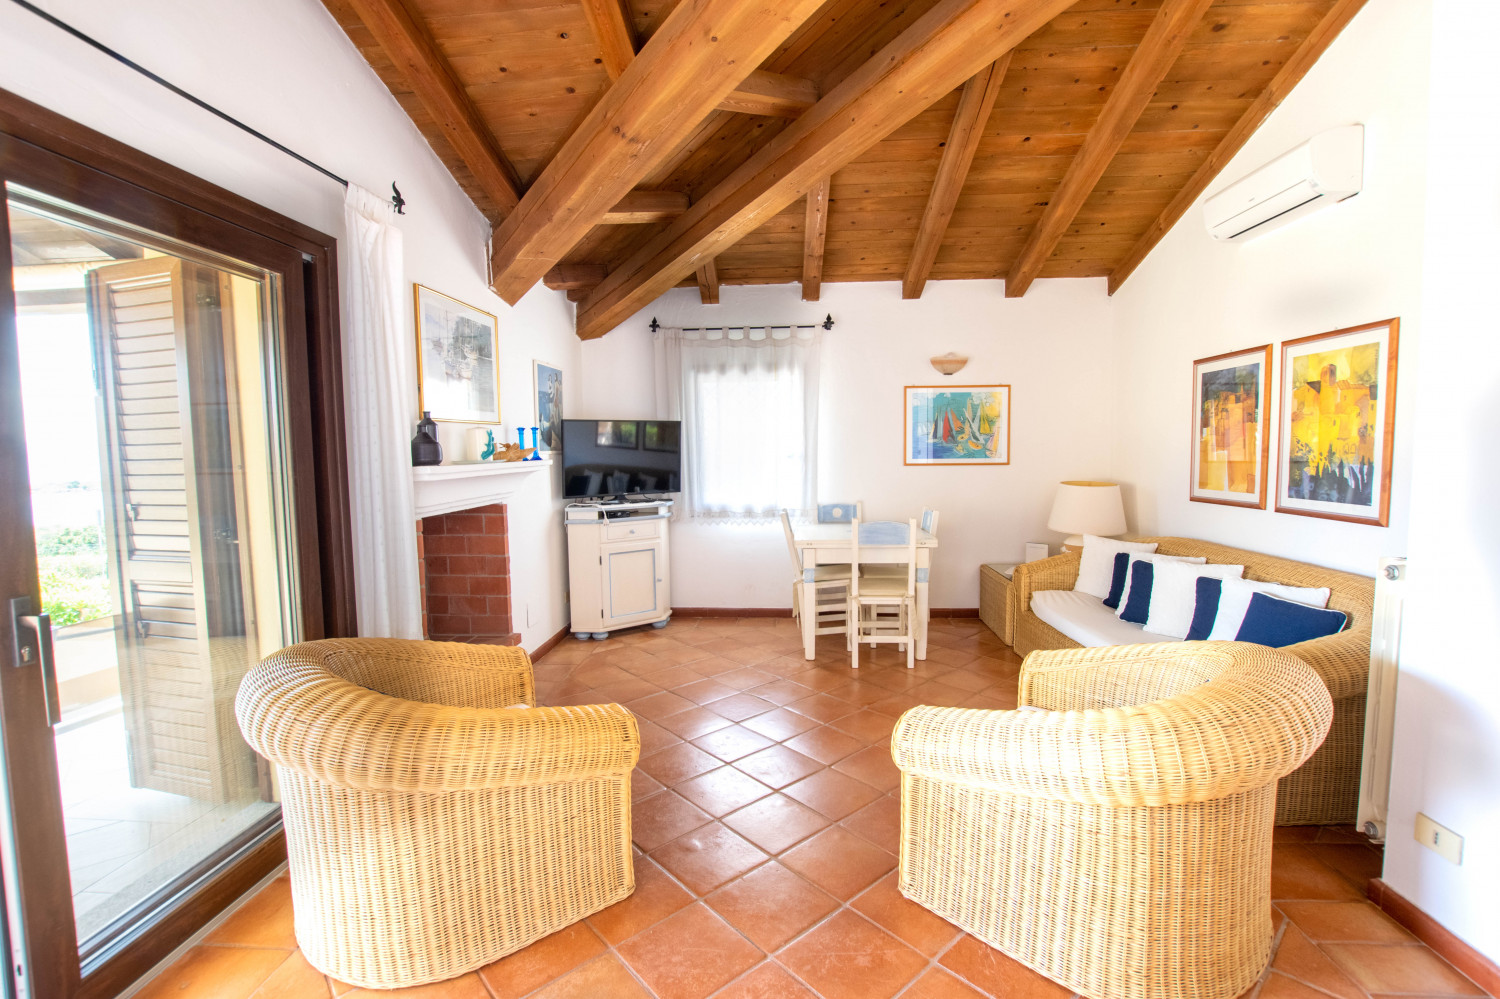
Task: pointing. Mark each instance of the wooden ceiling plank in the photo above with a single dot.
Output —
(612, 29)
(974, 107)
(694, 60)
(579, 275)
(1171, 27)
(708, 283)
(426, 71)
(815, 234)
(1288, 77)
(646, 206)
(941, 49)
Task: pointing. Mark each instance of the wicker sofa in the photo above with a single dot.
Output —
(435, 821)
(1116, 837)
(1325, 789)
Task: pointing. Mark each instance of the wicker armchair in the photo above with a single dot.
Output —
(1325, 789)
(430, 828)
(1119, 841)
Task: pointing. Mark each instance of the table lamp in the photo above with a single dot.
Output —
(1087, 508)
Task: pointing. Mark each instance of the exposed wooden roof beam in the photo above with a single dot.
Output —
(943, 48)
(565, 276)
(974, 106)
(772, 94)
(1169, 31)
(646, 206)
(1308, 53)
(616, 39)
(708, 283)
(814, 234)
(697, 57)
(417, 58)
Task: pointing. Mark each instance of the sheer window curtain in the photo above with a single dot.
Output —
(377, 371)
(748, 402)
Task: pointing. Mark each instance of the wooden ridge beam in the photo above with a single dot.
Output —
(1291, 73)
(708, 283)
(814, 235)
(646, 206)
(567, 276)
(1169, 31)
(944, 47)
(416, 57)
(772, 94)
(697, 57)
(974, 106)
(616, 39)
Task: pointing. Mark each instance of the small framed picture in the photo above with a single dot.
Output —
(547, 380)
(957, 425)
(457, 359)
(1231, 445)
(1338, 424)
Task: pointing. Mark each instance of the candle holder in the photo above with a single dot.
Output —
(536, 455)
(521, 437)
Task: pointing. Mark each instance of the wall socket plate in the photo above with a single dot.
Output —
(1440, 839)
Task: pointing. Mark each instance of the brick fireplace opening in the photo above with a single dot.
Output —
(464, 562)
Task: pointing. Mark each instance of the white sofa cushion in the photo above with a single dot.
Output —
(1174, 594)
(1130, 581)
(1096, 565)
(1086, 620)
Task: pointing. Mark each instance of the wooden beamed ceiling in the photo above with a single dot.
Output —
(623, 147)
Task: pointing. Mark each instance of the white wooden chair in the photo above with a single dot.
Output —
(883, 608)
(830, 583)
(840, 513)
(927, 522)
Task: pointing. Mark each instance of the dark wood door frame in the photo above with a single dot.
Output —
(46, 152)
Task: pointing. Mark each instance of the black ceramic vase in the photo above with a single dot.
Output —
(425, 449)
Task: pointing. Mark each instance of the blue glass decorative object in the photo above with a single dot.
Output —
(536, 454)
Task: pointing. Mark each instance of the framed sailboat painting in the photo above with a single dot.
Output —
(957, 425)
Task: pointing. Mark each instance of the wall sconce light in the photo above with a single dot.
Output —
(949, 363)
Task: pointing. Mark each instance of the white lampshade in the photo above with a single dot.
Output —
(1087, 508)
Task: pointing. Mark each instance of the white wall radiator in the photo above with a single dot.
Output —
(1380, 702)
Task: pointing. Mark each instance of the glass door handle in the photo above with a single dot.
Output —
(36, 647)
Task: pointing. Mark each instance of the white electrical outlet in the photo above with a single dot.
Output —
(1440, 839)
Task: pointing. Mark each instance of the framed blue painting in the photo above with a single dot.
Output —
(549, 406)
(957, 425)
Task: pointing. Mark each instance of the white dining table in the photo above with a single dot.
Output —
(879, 541)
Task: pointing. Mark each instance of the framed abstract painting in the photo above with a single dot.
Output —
(1338, 424)
(547, 379)
(458, 376)
(1231, 442)
(957, 425)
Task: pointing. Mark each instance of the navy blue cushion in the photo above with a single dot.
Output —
(1138, 602)
(1206, 608)
(1277, 623)
(1117, 582)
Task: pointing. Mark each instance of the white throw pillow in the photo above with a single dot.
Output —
(1174, 595)
(1096, 566)
(1234, 600)
(1155, 560)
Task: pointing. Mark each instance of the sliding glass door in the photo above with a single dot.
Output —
(162, 528)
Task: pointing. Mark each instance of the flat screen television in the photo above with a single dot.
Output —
(603, 458)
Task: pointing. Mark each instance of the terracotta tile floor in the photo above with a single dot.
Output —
(765, 819)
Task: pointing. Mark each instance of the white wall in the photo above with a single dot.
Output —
(285, 68)
(1447, 750)
(1051, 347)
(1356, 262)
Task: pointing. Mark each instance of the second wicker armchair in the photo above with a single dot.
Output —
(1119, 840)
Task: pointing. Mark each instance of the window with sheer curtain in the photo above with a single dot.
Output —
(748, 402)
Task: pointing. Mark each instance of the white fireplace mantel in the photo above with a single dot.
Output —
(439, 489)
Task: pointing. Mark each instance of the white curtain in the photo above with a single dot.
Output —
(748, 402)
(378, 391)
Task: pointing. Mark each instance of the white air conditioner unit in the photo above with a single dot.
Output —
(1322, 171)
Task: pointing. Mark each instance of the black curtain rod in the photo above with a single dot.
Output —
(124, 60)
(826, 324)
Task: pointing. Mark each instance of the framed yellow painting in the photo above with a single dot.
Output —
(1231, 444)
(1338, 424)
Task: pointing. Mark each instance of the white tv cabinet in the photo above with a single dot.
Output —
(618, 572)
